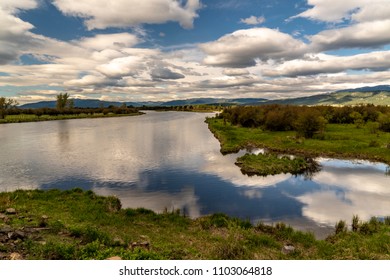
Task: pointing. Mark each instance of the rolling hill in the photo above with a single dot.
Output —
(378, 95)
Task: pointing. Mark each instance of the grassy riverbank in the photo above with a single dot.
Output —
(337, 141)
(35, 118)
(81, 225)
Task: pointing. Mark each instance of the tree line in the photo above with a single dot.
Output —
(64, 106)
(307, 121)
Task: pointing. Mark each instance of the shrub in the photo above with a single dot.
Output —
(384, 122)
(373, 143)
(373, 127)
(310, 122)
(341, 227)
(355, 223)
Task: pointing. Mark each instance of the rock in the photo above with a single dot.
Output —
(10, 211)
(20, 234)
(114, 258)
(15, 256)
(4, 218)
(144, 244)
(5, 229)
(288, 249)
(3, 238)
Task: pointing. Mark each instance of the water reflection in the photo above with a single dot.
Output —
(170, 160)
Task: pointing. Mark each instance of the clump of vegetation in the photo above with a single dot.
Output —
(310, 122)
(82, 225)
(272, 164)
(341, 227)
(6, 104)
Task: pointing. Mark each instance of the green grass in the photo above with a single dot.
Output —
(82, 225)
(271, 164)
(34, 118)
(337, 141)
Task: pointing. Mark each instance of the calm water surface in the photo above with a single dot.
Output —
(171, 160)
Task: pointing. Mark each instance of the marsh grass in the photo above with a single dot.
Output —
(83, 225)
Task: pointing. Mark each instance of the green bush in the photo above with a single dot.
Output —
(309, 123)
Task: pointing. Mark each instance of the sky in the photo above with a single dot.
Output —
(160, 50)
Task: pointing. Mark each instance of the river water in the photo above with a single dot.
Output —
(170, 160)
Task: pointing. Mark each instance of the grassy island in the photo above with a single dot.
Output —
(79, 224)
(271, 164)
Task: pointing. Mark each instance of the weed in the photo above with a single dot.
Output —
(231, 249)
(355, 223)
(341, 227)
(57, 226)
(57, 251)
(113, 204)
(131, 213)
(373, 143)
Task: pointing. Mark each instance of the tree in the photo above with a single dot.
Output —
(6, 105)
(310, 122)
(63, 101)
(384, 122)
(357, 119)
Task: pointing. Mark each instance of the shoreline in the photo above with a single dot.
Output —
(35, 118)
(77, 224)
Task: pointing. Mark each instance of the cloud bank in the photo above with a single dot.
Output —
(119, 60)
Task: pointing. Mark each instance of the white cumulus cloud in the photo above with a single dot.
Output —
(334, 10)
(241, 48)
(253, 20)
(126, 13)
(109, 41)
(374, 61)
(15, 36)
(361, 35)
(13, 6)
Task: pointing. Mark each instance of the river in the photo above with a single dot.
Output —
(170, 160)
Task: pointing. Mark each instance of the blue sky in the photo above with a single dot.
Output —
(131, 50)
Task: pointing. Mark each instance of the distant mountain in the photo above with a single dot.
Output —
(222, 101)
(80, 103)
(95, 103)
(368, 89)
(378, 95)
